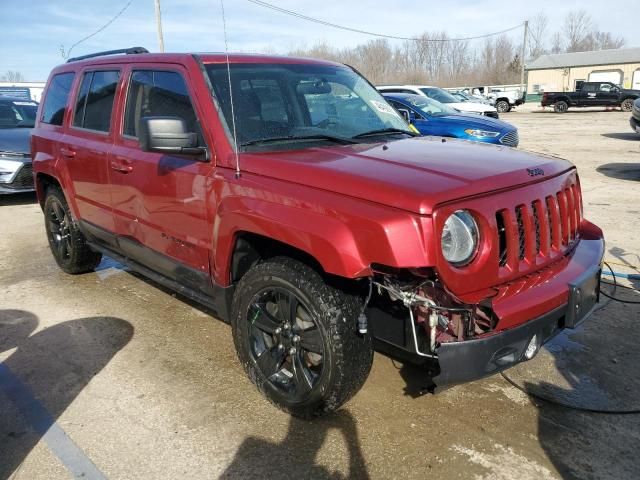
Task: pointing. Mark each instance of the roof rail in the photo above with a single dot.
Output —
(127, 51)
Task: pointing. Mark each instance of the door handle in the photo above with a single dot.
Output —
(119, 167)
(66, 152)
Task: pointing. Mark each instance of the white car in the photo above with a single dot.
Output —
(442, 96)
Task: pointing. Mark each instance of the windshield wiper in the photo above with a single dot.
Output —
(384, 131)
(294, 138)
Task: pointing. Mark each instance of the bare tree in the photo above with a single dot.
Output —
(597, 40)
(577, 26)
(557, 45)
(537, 35)
(12, 76)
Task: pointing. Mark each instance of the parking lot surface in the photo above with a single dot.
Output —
(109, 376)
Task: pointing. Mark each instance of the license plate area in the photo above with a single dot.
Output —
(584, 293)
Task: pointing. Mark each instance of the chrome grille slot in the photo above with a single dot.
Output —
(536, 223)
(502, 239)
(521, 232)
(510, 139)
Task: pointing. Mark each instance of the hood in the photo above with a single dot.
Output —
(15, 140)
(472, 107)
(470, 120)
(414, 174)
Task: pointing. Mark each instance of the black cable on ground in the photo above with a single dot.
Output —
(615, 286)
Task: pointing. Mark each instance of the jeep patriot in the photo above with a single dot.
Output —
(287, 195)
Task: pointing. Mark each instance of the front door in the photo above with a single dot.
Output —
(160, 201)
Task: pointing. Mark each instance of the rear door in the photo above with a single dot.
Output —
(160, 200)
(86, 148)
(589, 94)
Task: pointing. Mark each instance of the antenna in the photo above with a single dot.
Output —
(233, 115)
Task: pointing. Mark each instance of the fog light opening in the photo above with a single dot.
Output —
(532, 348)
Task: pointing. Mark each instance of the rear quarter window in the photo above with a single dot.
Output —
(56, 98)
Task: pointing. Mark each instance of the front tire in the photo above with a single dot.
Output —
(296, 337)
(627, 105)
(503, 106)
(560, 107)
(68, 244)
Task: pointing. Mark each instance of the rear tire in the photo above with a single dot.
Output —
(560, 107)
(68, 244)
(502, 106)
(296, 338)
(627, 105)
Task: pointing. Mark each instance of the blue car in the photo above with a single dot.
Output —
(431, 117)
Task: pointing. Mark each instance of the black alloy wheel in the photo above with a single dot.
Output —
(285, 342)
(59, 232)
(68, 245)
(296, 337)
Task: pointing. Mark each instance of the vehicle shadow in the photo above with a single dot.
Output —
(602, 375)
(295, 456)
(621, 171)
(45, 373)
(633, 137)
(18, 199)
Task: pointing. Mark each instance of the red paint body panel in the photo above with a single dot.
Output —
(348, 206)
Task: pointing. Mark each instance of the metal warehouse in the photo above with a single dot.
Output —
(561, 72)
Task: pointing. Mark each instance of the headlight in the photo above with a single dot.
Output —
(481, 133)
(8, 168)
(459, 238)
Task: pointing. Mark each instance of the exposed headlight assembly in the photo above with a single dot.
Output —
(481, 133)
(460, 238)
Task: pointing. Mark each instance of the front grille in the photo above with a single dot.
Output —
(492, 114)
(538, 228)
(510, 139)
(24, 178)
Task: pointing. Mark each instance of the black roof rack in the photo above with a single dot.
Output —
(128, 51)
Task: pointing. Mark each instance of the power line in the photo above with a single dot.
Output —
(115, 17)
(374, 34)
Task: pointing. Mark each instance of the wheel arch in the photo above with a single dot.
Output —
(42, 182)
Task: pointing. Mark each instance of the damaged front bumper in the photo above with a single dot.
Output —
(530, 314)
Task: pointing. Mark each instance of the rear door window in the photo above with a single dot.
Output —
(95, 100)
(158, 94)
(56, 98)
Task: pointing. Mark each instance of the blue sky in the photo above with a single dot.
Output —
(34, 30)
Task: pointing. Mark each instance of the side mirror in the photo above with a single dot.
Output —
(408, 115)
(167, 135)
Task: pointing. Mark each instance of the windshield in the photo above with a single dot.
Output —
(430, 107)
(320, 103)
(18, 113)
(440, 95)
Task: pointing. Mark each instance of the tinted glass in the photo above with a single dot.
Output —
(284, 102)
(18, 114)
(99, 100)
(158, 94)
(440, 95)
(56, 98)
(589, 87)
(81, 102)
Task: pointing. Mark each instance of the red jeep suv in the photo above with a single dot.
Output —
(287, 195)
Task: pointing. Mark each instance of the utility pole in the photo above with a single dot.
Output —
(159, 24)
(523, 55)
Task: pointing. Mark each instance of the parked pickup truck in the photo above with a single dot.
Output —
(290, 197)
(504, 100)
(591, 94)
